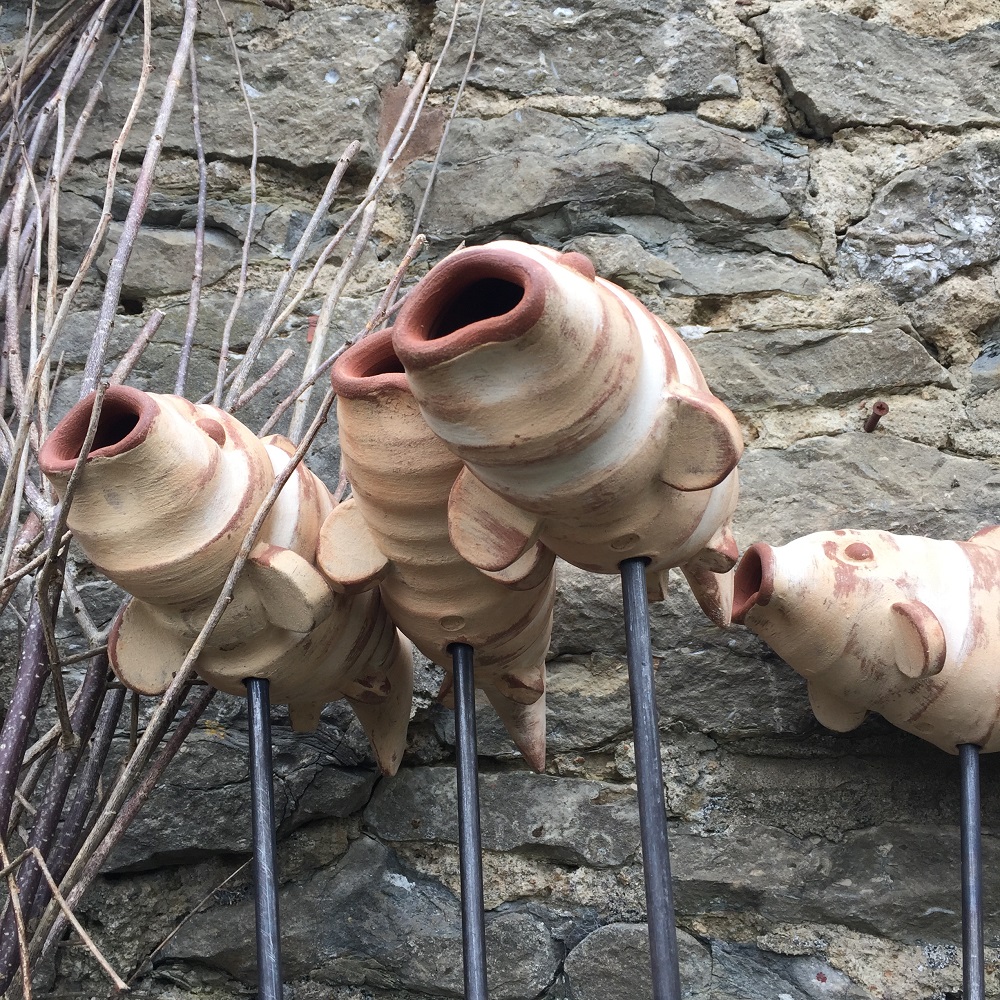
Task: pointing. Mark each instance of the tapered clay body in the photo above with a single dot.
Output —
(393, 533)
(163, 504)
(906, 626)
(583, 420)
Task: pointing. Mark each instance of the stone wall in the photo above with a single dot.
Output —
(809, 192)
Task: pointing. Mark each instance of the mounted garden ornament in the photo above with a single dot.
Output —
(162, 507)
(908, 627)
(583, 420)
(393, 534)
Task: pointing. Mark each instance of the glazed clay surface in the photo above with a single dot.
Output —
(163, 504)
(904, 625)
(583, 420)
(393, 533)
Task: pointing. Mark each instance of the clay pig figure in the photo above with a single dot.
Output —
(393, 534)
(163, 504)
(582, 419)
(906, 626)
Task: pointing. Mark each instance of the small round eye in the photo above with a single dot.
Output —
(859, 552)
(213, 429)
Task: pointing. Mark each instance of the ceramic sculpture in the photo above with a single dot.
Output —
(162, 507)
(393, 533)
(582, 419)
(906, 626)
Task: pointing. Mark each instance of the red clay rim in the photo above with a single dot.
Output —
(417, 343)
(368, 368)
(122, 406)
(754, 581)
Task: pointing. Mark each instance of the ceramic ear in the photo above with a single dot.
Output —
(348, 555)
(918, 639)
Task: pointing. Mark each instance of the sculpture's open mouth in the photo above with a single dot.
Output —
(126, 414)
(754, 581)
(479, 296)
(368, 366)
(486, 298)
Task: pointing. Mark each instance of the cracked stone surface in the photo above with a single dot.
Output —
(667, 52)
(841, 71)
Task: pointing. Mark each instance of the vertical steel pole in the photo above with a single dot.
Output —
(265, 872)
(649, 778)
(973, 979)
(469, 838)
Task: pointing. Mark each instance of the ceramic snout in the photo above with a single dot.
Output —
(902, 625)
(393, 535)
(163, 504)
(583, 420)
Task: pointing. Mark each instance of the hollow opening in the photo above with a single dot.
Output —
(483, 299)
(118, 419)
(388, 365)
(132, 307)
(747, 583)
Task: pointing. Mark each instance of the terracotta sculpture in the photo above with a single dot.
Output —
(906, 626)
(582, 419)
(162, 507)
(393, 533)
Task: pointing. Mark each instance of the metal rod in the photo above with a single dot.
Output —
(470, 846)
(265, 872)
(649, 779)
(973, 978)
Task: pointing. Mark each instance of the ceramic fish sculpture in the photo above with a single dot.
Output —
(163, 504)
(906, 626)
(582, 419)
(393, 534)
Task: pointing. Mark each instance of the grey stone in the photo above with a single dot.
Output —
(580, 822)
(790, 368)
(312, 77)
(612, 963)
(841, 71)
(659, 51)
(202, 804)
(548, 178)
(372, 921)
(162, 260)
(500, 171)
(707, 272)
(716, 178)
(930, 221)
(863, 481)
(697, 665)
(745, 972)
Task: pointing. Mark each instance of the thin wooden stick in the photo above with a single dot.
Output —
(140, 199)
(221, 379)
(265, 379)
(15, 905)
(381, 311)
(326, 313)
(199, 229)
(132, 355)
(266, 325)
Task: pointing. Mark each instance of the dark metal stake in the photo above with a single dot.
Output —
(265, 873)
(973, 980)
(649, 778)
(469, 839)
